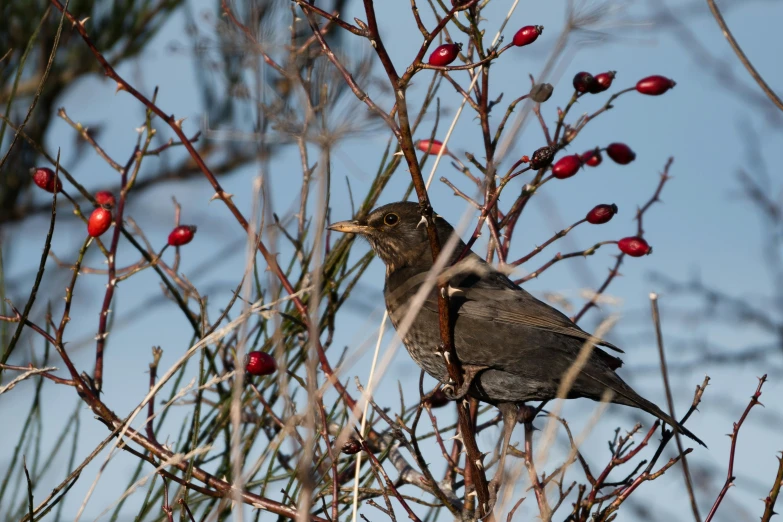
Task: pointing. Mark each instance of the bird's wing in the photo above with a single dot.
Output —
(495, 298)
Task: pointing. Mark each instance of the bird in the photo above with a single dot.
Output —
(513, 348)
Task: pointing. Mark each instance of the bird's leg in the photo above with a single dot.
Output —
(469, 372)
(508, 411)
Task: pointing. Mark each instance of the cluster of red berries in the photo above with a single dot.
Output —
(445, 54)
(633, 246)
(655, 85)
(569, 165)
(46, 179)
(585, 82)
(101, 218)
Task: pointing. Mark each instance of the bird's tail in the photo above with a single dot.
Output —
(637, 401)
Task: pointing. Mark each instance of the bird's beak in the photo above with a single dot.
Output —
(349, 227)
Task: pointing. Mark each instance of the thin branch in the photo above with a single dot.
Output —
(754, 400)
(656, 317)
(741, 55)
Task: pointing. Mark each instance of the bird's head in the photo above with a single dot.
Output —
(397, 233)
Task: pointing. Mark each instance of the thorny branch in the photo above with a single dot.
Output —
(302, 325)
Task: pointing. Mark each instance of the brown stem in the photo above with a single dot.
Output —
(543, 504)
(614, 272)
(219, 194)
(406, 145)
(741, 55)
(546, 243)
(112, 284)
(754, 400)
(656, 316)
(769, 502)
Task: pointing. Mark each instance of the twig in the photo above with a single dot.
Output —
(112, 283)
(39, 274)
(656, 317)
(741, 55)
(389, 484)
(615, 271)
(769, 502)
(546, 243)
(543, 505)
(560, 257)
(754, 400)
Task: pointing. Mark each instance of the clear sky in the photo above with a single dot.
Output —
(705, 226)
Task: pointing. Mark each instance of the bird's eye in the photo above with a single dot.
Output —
(391, 219)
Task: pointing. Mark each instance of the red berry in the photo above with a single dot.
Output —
(567, 166)
(99, 222)
(601, 214)
(182, 235)
(438, 399)
(431, 147)
(44, 178)
(592, 158)
(104, 198)
(583, 81)
(634, 246)
(444, 54)
(527, 35)
(260, 363)
(654, 85)
(603, 81)
(352, 446)
(620, 153)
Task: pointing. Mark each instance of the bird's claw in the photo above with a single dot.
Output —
(469, 372)
(455, 394)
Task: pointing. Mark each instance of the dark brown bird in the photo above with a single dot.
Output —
(513, 347)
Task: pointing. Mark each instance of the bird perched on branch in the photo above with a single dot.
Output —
(512, 347)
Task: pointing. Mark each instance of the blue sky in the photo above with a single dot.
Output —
(704, 226)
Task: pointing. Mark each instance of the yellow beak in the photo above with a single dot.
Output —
(348, 227)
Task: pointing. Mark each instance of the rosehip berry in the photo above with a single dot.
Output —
(444, 54)
(542, 157)
(601, 214)
(352, 446)
(592, 158)
(583, 81)
(104, 198)
(99, 222)
(634, 246)
(527, 35)
(620, 153)
(541, 92)
(567, 166)
(603, 81)
(182, 235)
(438, 399)
(260, 363)
(431, 147)
(654, 85)
(44, 178)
